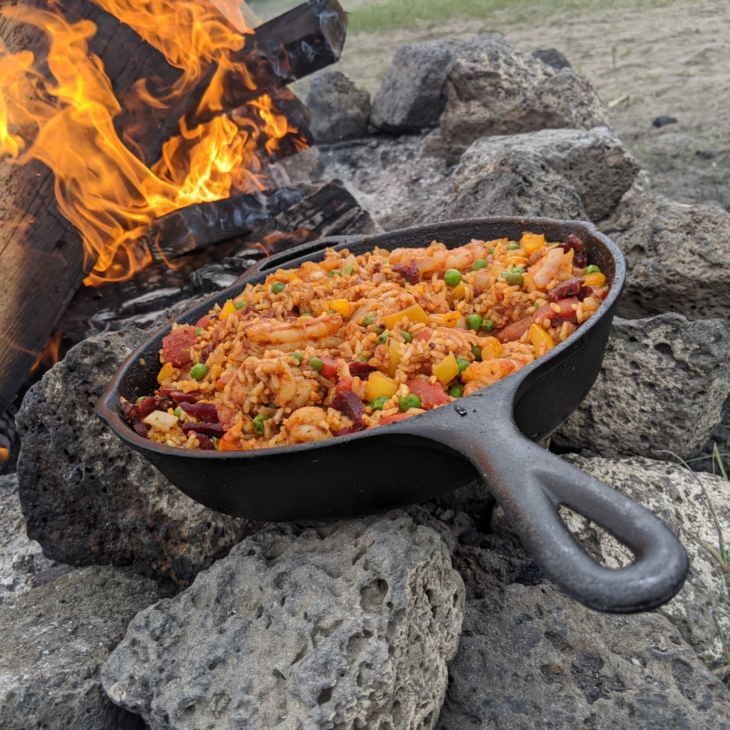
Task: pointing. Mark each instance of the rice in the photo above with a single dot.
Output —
(356, 342)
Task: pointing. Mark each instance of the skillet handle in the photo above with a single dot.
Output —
(279, 259)
(530, 483)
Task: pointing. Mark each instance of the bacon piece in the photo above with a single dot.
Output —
(343, 385)
(517, 329)
(329, 367)
(568, 288)
(361, 369)
(202, 411)
(580, 257)
(424, 335)
(208, 429)
(408, 271)
(351, 406)
(176, 346)
(203, 322)
(205, 443)
(132, 415)
(431, 395)
(178, 396)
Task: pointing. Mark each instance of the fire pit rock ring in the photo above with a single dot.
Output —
(490, 434)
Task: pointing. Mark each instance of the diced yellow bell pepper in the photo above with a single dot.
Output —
(460, 323)
(459, 291)
(341, 306)
(228, 309)
(165, 372)
(446, 370)
(379, 385)
(531, 242)
(540, 339)
(395, 348)
(445, 320)
(597, 280)
(414, 313)
(492, 348)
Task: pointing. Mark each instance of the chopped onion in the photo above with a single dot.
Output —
(161, 420)
(379, 277)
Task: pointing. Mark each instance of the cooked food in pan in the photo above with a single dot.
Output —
(356, 342)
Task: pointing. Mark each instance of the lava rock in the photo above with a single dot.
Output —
(21, 560)
(677, 257)
(531, 657)
(346, 625)
(662, 386)
(594, 162)
(663, 121)
(685, 500)
(411, 96)
(89, 499)
(519, 183)
(339, 109)
(56, 639)
(494, 89)
(552, 57)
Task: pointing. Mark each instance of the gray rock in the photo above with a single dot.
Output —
(677, 257)
(411, 96)
(552, 57)
(87, 498)
(55, 640)
(519, 183)
(494, 89)
(21, 559)
(530, 657)
(662, 385)
(339, 109)
(684, 500)
(346, 625)
(594, 162)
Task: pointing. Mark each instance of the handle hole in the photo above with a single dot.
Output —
(600, 544)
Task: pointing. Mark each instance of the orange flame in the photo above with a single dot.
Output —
(48, 357)
(101, 187)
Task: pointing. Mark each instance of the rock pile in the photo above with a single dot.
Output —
(353, 624)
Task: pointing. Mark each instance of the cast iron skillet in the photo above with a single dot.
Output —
(489, 435)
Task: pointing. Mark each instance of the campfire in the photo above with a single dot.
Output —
(134, 133)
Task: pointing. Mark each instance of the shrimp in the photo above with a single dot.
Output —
(307, 424)
(439, 258)
(287, 385)
(549, 269)
(481, 374)
(286, 333)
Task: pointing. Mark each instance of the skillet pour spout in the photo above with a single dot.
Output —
(490, 435)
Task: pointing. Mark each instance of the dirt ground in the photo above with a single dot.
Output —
(667, 61)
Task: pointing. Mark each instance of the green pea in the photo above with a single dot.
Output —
(514, 279)
(179, 413)
(383, 338)
(369, 319)
(379, 402)
(215, 441)
(199, 371)
(488, 325)
(241, 305)
(378, 330)
(316, 363)
(463, 364)
(513, 246)
(258, 424)
(474, 322)
(410, 401)
(139, 400)
(492, 249)
(348, 270)
(452, 277)
(362, 358)
(299, 357)
(199, 331)
(592, 269)
(332, 311)
(334, 273)
(456, 391)
(386, 262)
(277, 287)
(477, 352)
(479, 264)
(518, 270)
(306, 314)
(407, 336)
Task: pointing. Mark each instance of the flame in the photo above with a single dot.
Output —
(4, 456)
(49, 356)
(66, 122)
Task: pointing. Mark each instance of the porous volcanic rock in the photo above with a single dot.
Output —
(411, 96)
(552, 57)
(677, 257)
(347, 625)
(518, 183)
(55, 641)
(87, 498)
(594, 162)
(685, 500)
(495, 89)
(662, 386)
(339, 109)
(529, 657)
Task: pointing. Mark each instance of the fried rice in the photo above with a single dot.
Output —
(356, 342)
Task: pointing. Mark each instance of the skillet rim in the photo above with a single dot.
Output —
(113, 419)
